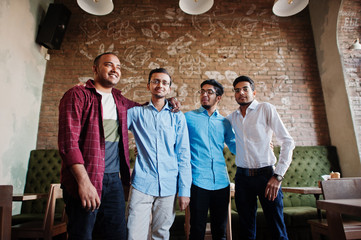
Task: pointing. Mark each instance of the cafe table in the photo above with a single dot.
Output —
(28, 196)
(316, 191)
(334, 208)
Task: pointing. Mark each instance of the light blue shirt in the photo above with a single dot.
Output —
(163, 165)
(207, 135)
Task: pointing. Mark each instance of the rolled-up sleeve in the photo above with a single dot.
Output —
(70, 117)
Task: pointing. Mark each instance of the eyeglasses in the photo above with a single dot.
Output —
(208, 91)
(238, 90)
(157, 81)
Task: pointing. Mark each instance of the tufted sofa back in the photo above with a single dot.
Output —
(308, 164)
(43, 170)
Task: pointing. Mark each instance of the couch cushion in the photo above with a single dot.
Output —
(298, 216)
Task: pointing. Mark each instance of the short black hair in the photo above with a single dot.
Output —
(244, 79)
(96, 60)
(159, 70)
(219, 88)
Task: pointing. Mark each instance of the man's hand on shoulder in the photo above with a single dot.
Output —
(81, 84)
(175, 104)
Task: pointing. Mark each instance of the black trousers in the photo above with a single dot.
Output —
(217, 203)
(250, 184)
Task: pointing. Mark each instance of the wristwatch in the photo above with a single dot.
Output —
(278, 177)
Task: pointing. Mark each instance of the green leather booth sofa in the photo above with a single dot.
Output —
(307, 166)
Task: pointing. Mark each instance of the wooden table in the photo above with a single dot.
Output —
(29, 196)
(304, 190)
(316, 191)
(334, 209)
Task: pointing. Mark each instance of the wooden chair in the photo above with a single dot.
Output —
(6, 193)
(208, 234)
(47, 228)
(43, 169)
(343, 188)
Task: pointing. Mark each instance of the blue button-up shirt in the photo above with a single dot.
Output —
(163, 162)
(207, 135)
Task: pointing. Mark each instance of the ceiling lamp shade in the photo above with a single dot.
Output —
(96, 7)
(286, 8)
(356, 45)
(195, 7)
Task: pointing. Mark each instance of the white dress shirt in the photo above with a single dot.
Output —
(254, 134)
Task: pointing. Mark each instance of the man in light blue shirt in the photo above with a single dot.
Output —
(208, 131)
(162, 168)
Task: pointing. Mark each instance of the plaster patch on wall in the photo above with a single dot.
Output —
(23, 68)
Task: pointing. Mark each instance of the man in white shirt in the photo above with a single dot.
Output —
(254, 124)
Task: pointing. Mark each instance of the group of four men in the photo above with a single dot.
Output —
(178, 155)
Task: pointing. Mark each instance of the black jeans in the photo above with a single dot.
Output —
(251, 183)
(217, 203)
(110, 217)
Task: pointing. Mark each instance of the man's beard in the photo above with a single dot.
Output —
(206, 107)
(107, 83)
(245, 103)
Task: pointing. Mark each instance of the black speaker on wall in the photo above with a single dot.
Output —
(52, 29)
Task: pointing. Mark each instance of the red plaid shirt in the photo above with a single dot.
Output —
(81, 135)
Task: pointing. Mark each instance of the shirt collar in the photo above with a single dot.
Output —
(90, 84)
(203, 110)
(166, 106)
(252, 106)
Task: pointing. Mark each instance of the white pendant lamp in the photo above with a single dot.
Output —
(96, 7)
(195, 7)
(286, 8)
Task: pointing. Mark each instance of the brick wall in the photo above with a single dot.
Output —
(234, 38)
(349, 28)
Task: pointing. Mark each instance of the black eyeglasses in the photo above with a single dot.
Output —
(208, 92)
(157, 81)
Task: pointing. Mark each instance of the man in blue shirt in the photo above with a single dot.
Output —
(208, 131)
(162, 168)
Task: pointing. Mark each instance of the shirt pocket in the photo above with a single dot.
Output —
(168, 129)
(169, 134)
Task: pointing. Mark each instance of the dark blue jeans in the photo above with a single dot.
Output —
(109, 218)
(217, 203)
(247, 190)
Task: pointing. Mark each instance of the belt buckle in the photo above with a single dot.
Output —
(251, 172)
